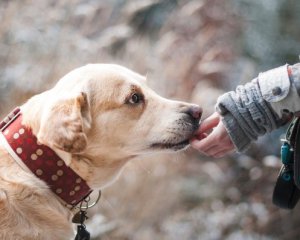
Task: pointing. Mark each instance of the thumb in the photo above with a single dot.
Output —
(209, 123)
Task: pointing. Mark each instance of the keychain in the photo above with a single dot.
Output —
(79, 218)
(286, 194)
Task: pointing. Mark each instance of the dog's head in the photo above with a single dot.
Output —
(104, 112)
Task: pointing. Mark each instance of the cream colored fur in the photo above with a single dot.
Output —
(90, 119)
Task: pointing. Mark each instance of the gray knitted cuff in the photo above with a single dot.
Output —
(246, 115)
(225, 107)
(240, 140)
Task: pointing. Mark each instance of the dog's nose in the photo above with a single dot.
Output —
(194, 111)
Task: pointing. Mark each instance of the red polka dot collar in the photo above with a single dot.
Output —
(41, 160)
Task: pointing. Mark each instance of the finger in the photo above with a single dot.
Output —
(211, 149)
(199, 137)
(209, 123)
(223, 153)
(214, 152)
(218, 145)
(210, 141)
(217, 138)
(217, 149)
(202, 144)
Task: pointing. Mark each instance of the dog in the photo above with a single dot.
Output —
(91, 123)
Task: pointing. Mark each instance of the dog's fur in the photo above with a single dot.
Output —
(91, 121)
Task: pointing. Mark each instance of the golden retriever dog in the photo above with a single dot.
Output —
(95, 119)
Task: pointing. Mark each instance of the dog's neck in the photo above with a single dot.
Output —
(42, 161)
(100, 176)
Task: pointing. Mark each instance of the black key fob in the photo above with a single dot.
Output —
(286, 194)
(82, 233)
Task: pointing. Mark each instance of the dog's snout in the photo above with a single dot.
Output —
(194, 111)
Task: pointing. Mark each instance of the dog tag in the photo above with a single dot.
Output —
(79, 217)
(82, 233)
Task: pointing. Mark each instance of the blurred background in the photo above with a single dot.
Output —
(190, 50)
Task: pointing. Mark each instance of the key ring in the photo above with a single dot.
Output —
(87, 199)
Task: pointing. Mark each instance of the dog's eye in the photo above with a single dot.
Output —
(135, 98)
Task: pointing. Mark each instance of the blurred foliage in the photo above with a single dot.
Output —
(269, 34)
(190, 50)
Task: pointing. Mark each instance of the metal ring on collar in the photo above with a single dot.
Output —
(87, 201)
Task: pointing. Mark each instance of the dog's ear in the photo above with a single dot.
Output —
(65, 123)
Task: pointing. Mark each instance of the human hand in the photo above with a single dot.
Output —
(212, 138)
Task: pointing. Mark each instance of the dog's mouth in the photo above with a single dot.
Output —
(171, 146)
(180, 138)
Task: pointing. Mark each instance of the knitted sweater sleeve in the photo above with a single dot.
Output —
(260, 106)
